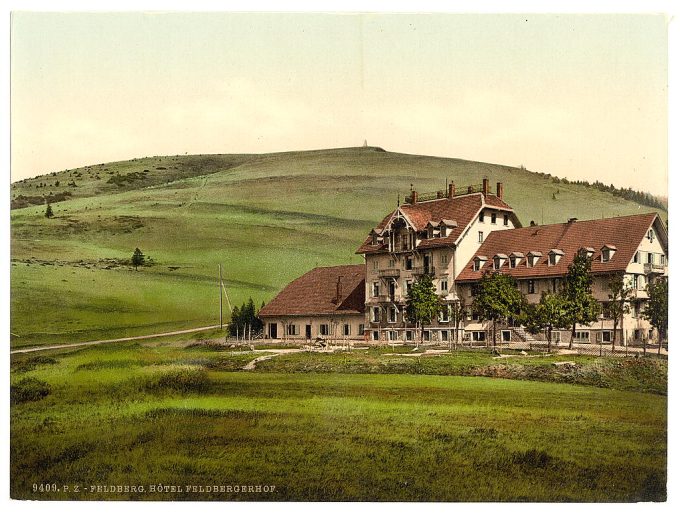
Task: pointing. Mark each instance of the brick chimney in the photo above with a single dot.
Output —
(452, 190)
(469, 189)
(414, 197)
(499, 190)
(485, 186)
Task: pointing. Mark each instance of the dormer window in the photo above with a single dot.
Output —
(588, 251)
(608, 251)
(499, 260)
(493, 217)
(515, 259)
(481, 216)
(532, 258)
(478, 263)
(554, 256)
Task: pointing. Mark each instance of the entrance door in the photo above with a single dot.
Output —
(308, 331)
(273, 333)
(392, 289)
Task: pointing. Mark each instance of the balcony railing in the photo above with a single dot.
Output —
(653, 267)
(383, 298)
(389, 273)
(421, 271)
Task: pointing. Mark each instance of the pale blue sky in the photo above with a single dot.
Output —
(582, 96)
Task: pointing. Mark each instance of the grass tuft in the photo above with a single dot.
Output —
(28, 389)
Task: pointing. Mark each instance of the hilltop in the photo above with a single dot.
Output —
(266, 218)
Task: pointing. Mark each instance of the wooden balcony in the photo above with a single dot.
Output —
(422, 271)
(654, 268)
(389, 273)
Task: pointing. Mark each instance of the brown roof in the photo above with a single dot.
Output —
(625, 233)
(315, 293)
(462, 209)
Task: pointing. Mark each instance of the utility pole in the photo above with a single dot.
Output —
(219, 286)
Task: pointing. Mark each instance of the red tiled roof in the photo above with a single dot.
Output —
(463, 209)
(315, 292)
(625, 233)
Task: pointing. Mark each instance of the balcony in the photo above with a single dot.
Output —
(389, 273)
(421, 271)
(382, 299)
(654, 268)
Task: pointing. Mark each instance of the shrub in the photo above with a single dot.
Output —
(186, 380)
(31, 363)
(532, 458)
(28, 389)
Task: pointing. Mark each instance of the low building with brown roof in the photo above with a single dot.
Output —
(326, 302)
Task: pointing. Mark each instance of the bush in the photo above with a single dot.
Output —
(29, 364)
(28, 389)
(184, 380)
(532, 458)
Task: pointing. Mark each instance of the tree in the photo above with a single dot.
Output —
(498, 299)
(48, 211)
(548, 314)
(656, 311)
(422, 304)
(458, 312)
(577, 292)
(137, 258)
(619, 294)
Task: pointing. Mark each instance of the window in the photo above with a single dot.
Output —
(346, 330)
(505, 335)
(478, 264)
(376, 335)
(636, 257)
(606, 255)
(361, 330)
(555, 284)
(391, 263)
(393, 314)
(662, 259)
(606, 336)
(650, 235)
(323, 329)
(444, 285)
(376, 289)
(480, 237)
(409, 263)
(376, 314)
(426, 335)
(556, 336)
(408, 283)
(444, 314)
(409, 335)
(481, 216)
(531, 286)
(532, 259)
(554, 258)
(291, 329)
(375, 264)
(445, 335)
(505, 220)
(650, 258)
(478, 336)
(392, 335)
(444, 259)
(582, 336)
(493, 217)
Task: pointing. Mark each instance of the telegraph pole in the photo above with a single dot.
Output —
(219, 286)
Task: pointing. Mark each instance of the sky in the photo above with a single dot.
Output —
(577, 96)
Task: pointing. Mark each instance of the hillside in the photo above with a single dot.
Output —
(265, 218)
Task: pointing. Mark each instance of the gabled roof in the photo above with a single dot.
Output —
(457, 211)
(624, 233)
(315, 293)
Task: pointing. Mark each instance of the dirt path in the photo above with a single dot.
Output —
(108, 341)
(275, 353)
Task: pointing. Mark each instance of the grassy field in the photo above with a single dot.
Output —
(266, 218)
(165, 413)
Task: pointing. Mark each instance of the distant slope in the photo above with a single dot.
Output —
(266, 218)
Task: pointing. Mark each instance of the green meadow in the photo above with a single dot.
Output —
(168, 414)
(266, 218)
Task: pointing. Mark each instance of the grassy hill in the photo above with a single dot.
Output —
(266, 218)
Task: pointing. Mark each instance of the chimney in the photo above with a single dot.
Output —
(338, 291)
(414, 197)
(532, 223)
(452, 190)
(572, 220)
(440, 194)
(485, 186)
(499, 190)
(469, 189)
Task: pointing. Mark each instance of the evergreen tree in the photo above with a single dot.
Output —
(422, 304)
(48, 211)
(656, 311)
(581, 307)
(498, 299)
(137, 258)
